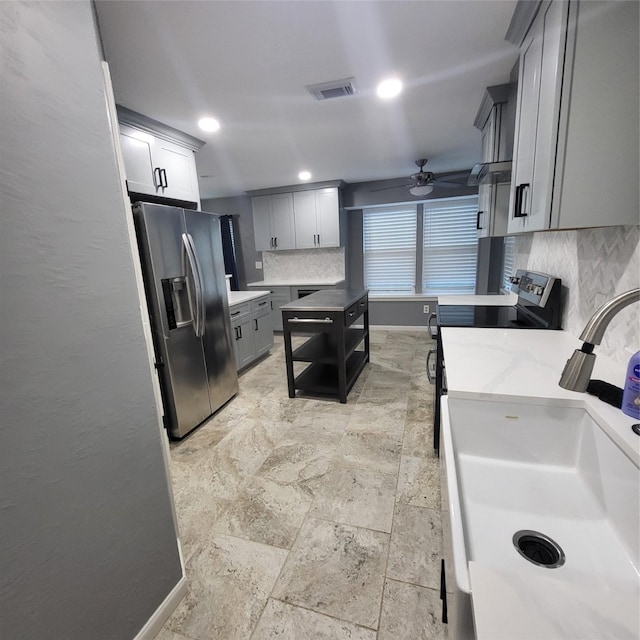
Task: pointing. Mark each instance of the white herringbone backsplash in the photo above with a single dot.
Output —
(595, 265)
(304, 264)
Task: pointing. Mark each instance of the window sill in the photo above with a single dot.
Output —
(400, 297)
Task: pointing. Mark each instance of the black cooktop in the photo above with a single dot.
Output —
(466, 315)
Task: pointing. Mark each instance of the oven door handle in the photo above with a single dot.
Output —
(429, 376)
(433, 331)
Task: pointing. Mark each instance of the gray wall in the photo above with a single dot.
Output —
(240, 208)
(89, 544)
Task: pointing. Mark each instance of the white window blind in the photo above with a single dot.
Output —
(508, 262)
(389, 248)
(450, 246)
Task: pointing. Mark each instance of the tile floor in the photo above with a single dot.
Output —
(307, 519)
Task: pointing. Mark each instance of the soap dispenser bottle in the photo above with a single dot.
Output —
(631, 393)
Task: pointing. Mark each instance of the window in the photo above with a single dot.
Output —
(389, 248)
(508, 262)
(450, 246)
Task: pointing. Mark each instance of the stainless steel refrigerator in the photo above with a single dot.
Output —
(183, 270)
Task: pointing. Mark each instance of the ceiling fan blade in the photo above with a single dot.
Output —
(395, 186)
(455, 176)
(447, 185)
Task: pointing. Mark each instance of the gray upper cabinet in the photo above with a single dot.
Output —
(575, 161)
(317, 218)
(157, 167)
(297, 220)
(273, 224)
(497, 142)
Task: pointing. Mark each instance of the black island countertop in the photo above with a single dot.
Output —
(326, 300)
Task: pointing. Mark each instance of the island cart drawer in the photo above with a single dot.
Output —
(356, 310)
(312, 321)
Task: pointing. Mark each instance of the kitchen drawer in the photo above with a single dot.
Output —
(238, 311)
(260, 306)
(355, 311)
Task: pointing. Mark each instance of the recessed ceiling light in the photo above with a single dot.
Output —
(304, 175)
(208, 124)
(389, 88)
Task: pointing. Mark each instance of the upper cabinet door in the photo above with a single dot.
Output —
(136, 151)
(178, 166)
(304, 214)
(263, 235)
(328, 217)
(282, 223)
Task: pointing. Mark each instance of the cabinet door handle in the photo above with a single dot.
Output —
(318, 239)
(520, 200)
(275, 242)
(478, 225)
(235, 313)
(271, 305)
(157, 178)
(236, 332)
(240, 332)
(261, 304)
(165, 184)
(256, 323)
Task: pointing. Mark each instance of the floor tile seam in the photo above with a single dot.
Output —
(347, 524)
(386, 562)
(293, 546)
(413, 584)
(323, 613)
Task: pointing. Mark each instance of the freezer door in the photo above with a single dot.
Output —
(204, 228)
(173, 294)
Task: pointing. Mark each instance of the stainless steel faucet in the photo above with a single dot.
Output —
(577, 371)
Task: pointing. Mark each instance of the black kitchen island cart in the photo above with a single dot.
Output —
(329, 319)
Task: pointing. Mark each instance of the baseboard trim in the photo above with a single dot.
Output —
(397, 327)
(155, 623)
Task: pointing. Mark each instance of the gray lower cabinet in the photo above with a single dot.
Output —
(279, 296)
(252, 330)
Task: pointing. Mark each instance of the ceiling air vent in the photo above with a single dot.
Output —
(335, 89)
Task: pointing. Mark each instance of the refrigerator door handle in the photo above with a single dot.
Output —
(202, 308)
(187, 242)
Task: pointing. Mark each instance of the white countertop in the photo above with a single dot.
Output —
(505, 300)
(505, 364)
(293, 282)
(526, 365)
(238, 297)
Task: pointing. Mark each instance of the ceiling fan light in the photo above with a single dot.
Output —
(421, 191)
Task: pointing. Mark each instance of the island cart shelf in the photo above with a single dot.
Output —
(332, 348)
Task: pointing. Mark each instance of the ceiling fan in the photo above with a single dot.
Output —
(423, 182)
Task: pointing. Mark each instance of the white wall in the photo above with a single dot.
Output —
(89, 547)
(595, 265)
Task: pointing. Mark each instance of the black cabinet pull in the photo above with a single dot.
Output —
(256, 321)
(240, 332)
(478, 225)
(318, 239)
(275, 243)
(236, 331)
(165, 184)
(519, 201)
(157, 178)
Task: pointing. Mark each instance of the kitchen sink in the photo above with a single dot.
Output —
(546, 478)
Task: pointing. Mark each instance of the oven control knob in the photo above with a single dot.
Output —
(514, 280)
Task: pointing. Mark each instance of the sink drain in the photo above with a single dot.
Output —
(538, 548)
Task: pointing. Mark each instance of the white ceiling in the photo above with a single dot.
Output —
(247, 64)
